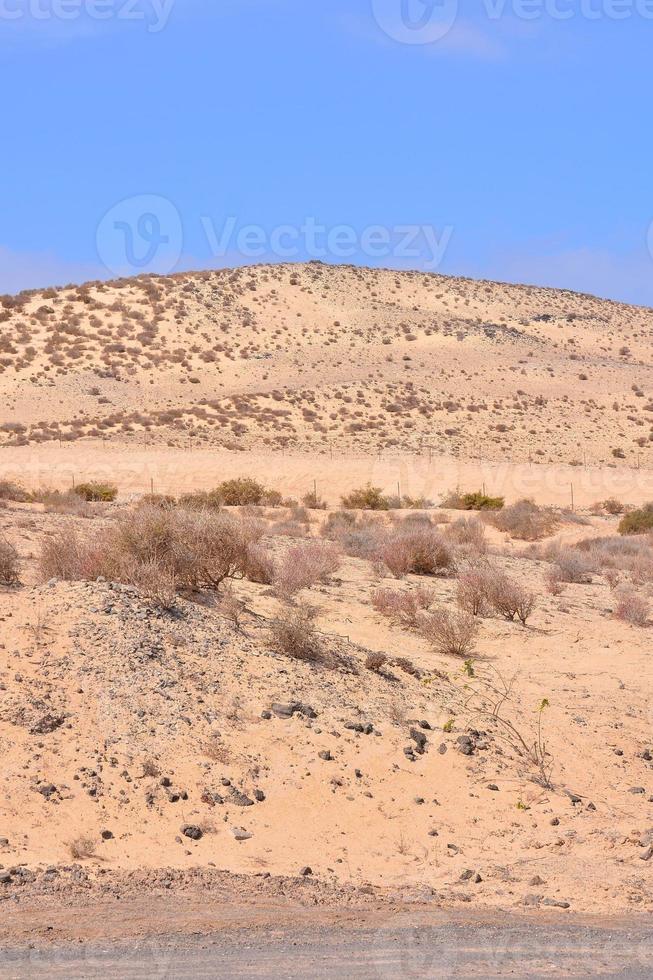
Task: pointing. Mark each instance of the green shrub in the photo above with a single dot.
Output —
(637, 521)
(241, 492)
(97, 492)
(366, 498)
(201, 500)
(472, 501)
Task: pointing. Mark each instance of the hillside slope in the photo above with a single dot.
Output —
(316, 356)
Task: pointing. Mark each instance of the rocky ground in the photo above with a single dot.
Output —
(156, 751)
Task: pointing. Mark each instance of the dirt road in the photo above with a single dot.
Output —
(402, 946)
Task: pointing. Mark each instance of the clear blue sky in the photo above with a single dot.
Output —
(523, 144)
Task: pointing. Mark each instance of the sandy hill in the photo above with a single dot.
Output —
(316, 356)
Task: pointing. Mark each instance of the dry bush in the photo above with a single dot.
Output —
(358, 537)
(510, 599)
(293, 634)
(621, 553)
(9, 563)
(468, 534)
(156, 582)
(304, 565)
(474, 589)
(313, 501)
(201, 500)
(553, 581)
(195, 549)
(375, 661)
(451, 632)
(632, 608)
(13, 491)
(82, 847)
(69, 556)
(259, 564)
(525, 520)
(232, 608)
(420, 551)
(403, 608)
(68, 503)
(610, 506)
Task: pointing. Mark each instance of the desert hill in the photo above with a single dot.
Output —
(313, 357)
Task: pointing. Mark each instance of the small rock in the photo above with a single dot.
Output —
(306, 872)
(241, 834)
(325, 755)
(555, 904)
(192, 832)
(637, 790)
(493, 787)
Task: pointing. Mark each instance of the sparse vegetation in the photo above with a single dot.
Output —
(95, 492)
(638, 521)
(366, 498)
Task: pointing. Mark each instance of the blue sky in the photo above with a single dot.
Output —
(497, 139)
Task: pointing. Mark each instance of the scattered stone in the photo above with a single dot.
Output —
(555, 904)
(465, 745)
(239, 798)
(241, 834)
(192, 832)
(259, 795)
(306, 872)
(106, 835)
(325, 755)
(637, 790)
(493, 787)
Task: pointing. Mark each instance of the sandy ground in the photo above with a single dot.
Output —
(121, 726)
(167, 470)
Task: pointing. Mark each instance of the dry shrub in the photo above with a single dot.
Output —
(293, 634)
(474, 589)
(451, 632)
(81, 848)
(553, 581)
(304, 565)
(193, 549)
(632, 608)
(420, 551)
(259, 564)
(9, 563)
(375, 661)
(68, 555)
(468, 534)
(13, 491)
(68, 503)
(403, 608)
(525, 520)
(510, 599)
(156, 582)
